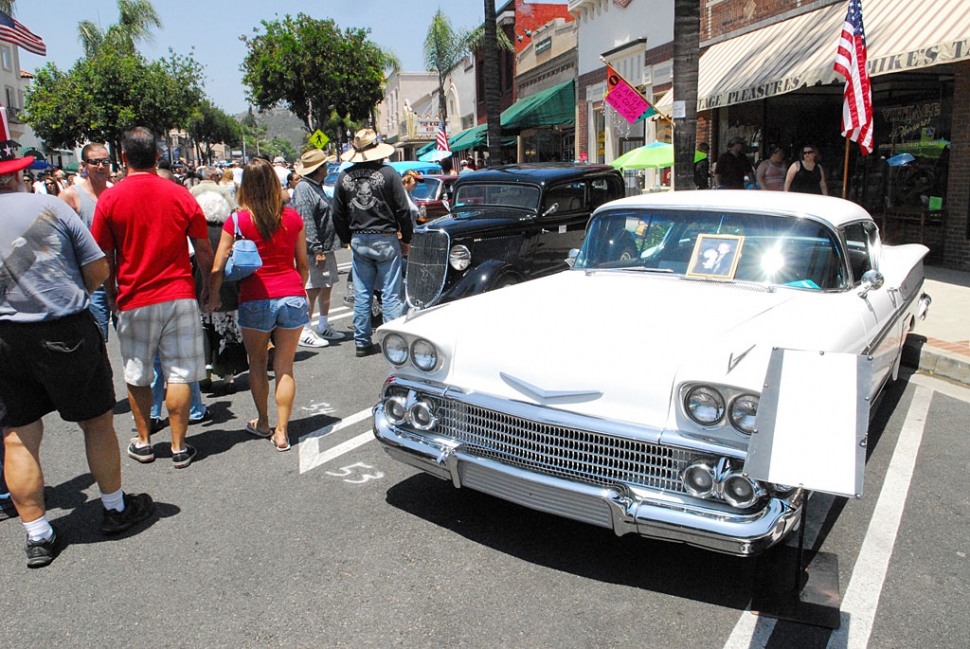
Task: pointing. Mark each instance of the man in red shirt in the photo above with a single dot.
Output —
(143, 224)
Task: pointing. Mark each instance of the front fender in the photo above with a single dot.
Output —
(484, 277)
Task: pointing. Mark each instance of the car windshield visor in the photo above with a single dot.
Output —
(789, 251)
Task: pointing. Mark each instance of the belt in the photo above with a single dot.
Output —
(373, 232)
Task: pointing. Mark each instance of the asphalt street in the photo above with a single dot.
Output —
(334, 544)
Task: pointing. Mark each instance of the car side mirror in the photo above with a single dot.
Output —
(872, 280)
(571, 259)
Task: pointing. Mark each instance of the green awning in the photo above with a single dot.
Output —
(427, 147)
(469, 138)
(554, 106)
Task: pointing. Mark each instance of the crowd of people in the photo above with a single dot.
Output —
(733, 170)
(147, 255)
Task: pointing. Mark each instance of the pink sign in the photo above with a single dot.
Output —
(629, 103)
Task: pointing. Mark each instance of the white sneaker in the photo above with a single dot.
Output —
(330, 334)
(310, 339)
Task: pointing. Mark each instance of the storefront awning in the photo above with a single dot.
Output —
(799, 52)
(469, 138)
(554, 106)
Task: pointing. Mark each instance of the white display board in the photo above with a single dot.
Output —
(812, 422)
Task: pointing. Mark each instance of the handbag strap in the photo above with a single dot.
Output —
(235, 223)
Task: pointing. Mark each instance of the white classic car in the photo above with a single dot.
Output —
(624, 392)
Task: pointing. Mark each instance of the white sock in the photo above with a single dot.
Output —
(322, 325)
(115, 501)
(39, 529)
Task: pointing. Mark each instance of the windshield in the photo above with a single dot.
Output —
(493, 194)
(728, 246)
(426, 189)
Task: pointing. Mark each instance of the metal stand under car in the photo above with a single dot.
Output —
(818, 449)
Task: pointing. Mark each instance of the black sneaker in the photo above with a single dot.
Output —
(156, 424)
(41, 553)
(8, 512)
(138, 507)
(141, 453)
(206, 416)
(183, 458)
(367, 350)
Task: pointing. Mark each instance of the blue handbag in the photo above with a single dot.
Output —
(244, 259)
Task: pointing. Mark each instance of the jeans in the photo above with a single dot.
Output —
(376, 265)
(98, 306)
(196, 411)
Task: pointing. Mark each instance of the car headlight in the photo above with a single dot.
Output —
(424, 355)
(743, 411)
(705, 405)
(740, 491)
(700, 478)
(460, 257)
(395, 349)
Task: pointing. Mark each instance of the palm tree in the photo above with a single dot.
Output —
(6, 6)
(493, 91)
(444, 49)
(136, 20)
(687, 28)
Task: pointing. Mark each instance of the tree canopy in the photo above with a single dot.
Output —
(211, 125)
(101, 97)
(135, 22)
(315, 70)
(444, 48)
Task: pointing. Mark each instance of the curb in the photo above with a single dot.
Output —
(920, 355)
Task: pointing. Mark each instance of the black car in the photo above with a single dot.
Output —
(507, 224)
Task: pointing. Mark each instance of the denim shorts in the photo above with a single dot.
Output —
(274, 313)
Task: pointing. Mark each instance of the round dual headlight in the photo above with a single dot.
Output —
(740, 491)
(744, 410)
(460, 257)
(422, 415)
(395, 349)
(424, 355)
(704, 405)
(699, 478)
(396, 410)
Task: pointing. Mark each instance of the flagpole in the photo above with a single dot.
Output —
(845, 172)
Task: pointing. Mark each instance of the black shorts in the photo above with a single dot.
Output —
(56, 365)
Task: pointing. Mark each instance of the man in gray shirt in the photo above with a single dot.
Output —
(52, 355)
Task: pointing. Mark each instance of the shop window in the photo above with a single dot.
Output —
(5, 58)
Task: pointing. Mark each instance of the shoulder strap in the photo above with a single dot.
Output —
(235, 223)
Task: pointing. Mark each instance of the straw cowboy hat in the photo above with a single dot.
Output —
(310, 161)
(9, 150)
(366, 148)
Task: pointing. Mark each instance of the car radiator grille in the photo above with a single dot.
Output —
(558, 451)
(427, 268)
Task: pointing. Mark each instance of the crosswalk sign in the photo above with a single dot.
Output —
(319, 139)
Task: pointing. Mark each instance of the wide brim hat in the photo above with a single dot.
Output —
(366, 148)
(9, 150)
(310, 161)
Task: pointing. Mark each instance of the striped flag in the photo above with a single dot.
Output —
(441, 138)
(850, 62)
(13, 32)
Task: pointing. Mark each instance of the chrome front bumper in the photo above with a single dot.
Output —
(623, 509)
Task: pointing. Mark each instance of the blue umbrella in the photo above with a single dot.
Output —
(40, 165)
(434, 155)
(900, 160)
(420, 167)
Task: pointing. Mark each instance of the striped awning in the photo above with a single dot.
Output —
(799, 52)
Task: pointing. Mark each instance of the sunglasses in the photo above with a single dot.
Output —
(98, 162)
(807, 151)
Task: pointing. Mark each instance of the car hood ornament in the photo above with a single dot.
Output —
(540, 394)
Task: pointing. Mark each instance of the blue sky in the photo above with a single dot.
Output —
(213, 28)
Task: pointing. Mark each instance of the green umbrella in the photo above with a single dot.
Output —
(652, 156)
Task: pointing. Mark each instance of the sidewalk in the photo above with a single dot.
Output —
(940, 345)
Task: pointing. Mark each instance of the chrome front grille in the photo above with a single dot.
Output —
(569, 453)
(427, 268)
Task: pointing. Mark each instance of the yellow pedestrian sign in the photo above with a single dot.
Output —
(319, 139)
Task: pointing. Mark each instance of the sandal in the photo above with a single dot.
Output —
(282, 449)
(252, 430)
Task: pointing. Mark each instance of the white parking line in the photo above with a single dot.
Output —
(309, 444)
(865, 585)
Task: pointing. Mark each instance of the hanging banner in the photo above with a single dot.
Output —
(626, 99)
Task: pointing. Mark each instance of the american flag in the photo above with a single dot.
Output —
(850, 62)
(13, 32)
(441, 138)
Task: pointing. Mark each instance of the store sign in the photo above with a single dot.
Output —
(910, 122)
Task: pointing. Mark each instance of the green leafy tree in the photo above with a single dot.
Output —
(444, 49)
(136, 20)
(687, 27)
(101, 97)
(314, 69)
(210, 125)
(6, 6)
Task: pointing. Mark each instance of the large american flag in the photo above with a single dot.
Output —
(850, 62)
(441, 138)
(13, 32)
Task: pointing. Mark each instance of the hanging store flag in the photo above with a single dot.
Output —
(625, 99)
(850, 62)
(441, 138)
(13, 32)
